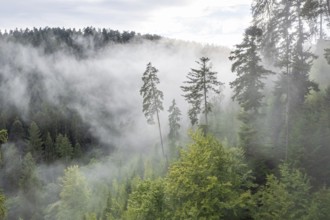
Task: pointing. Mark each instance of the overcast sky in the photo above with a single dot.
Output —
(219, 22)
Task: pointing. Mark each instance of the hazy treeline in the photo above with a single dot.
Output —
(75, 41)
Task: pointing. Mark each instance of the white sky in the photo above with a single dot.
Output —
(219, 22)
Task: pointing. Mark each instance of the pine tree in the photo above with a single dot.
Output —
(30, 186)
(286, 33)
(199, 85)
(174, 121)
(77, 153)
(287, 197)
(63, 147)
(16, 131)
(34, 141)
(248, 85)
(28, 178)
(75, 194)
(152, 98)
(50, 153)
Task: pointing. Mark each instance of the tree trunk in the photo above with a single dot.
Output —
(287, 105)
(205, 101)
(161, 138)
(321, 21)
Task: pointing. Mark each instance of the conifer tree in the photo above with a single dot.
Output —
(28, 178)
(34, 141)
(248, 85)
(286, 33)
(16, 131)
(174, 121)
(50, 153)
(75, 195)
(152, 98)
(64, 147)
(77, 151)
(30, 186)
(199, 85)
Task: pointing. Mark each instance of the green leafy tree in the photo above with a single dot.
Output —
(287, 197)
(11, 168)
(3, 209)
(319, 207)
(28, 178)
(3, 139)
(107, 214)
(3, 136)
(147, 200)
(34, 141)
(74, 195)
(30, 187)
(199, 85)
(152, 98)
(174, 121)
(208, 182)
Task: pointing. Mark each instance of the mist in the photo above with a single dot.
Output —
(248, 138)
(102, 86)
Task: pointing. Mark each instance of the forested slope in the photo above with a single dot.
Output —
(98, 124)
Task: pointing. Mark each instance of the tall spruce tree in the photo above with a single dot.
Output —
(286, 33)
(50, 151)
(199, 85)
(174, 121)
(248, 85)
(152, 98)
(63, 147)
(30, 187)
(16, 131)
(34, 141)
(74, 195)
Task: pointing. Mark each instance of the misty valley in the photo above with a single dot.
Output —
(97, 124)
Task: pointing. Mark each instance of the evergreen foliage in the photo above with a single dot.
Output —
(63, 147)
(3, 210)
(201, 82)
(75, 194)
(287, 197)
(147, 201)
(174, 118)
(248, 85)
(210, 178)
(152, 98)
(35, 142)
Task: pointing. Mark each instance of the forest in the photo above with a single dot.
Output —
(97, 124)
